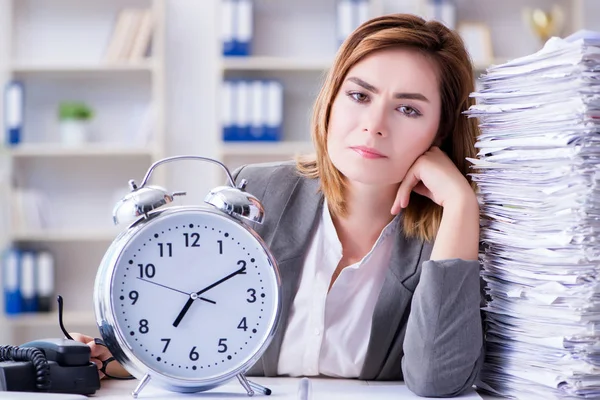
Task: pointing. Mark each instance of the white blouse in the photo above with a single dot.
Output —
(328, 333)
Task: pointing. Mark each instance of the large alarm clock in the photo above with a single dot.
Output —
(188, 297)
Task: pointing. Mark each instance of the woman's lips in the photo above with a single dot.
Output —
(367, 152)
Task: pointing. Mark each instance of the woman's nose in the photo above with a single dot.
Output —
(374, 122)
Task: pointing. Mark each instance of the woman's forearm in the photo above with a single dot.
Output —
(458, 234)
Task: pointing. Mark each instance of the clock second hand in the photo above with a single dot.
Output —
(176, 290)
(195, 295)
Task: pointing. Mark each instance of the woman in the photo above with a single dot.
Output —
(377, 235)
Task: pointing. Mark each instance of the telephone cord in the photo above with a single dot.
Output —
(37, 358)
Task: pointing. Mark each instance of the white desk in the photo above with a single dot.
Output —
(283, 388)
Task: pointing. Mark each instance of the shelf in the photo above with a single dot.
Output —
(33, 68)
(266, 148)
(99, 235)
(264, 63)
(70, 318)
(256, 63)
(29, 150)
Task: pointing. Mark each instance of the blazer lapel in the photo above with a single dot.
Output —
(288, 243)
(393, 302)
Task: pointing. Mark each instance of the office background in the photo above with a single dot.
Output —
(57, 191)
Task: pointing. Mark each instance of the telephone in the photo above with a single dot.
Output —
(49, 365)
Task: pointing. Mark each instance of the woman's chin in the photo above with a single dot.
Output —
(371, 176)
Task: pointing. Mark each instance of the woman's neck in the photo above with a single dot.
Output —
(368, 213)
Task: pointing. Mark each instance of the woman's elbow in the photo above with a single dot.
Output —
(442, 387)
(433, 381)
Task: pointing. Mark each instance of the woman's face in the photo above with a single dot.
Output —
(384, 117)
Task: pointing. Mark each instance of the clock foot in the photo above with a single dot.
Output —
(260, 388)
(252, 386)
(141, 385)
(244, 382)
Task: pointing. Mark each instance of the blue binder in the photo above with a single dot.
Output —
(227, 111)
(241, 109)
(237, 27)
(274, 111)
(13, 111)
(11, 278)
(28, 282)
(257, 110)
(227, 27)
(243, 28)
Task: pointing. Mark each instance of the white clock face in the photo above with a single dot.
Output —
(194, 295)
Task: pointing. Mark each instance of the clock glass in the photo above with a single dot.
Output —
(194, 295)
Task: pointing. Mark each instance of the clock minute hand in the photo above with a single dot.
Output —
(206, 289)
(194, 295)
(176, 290)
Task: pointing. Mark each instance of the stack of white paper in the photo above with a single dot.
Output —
(538, 174)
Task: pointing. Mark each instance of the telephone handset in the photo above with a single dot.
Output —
(49, 365)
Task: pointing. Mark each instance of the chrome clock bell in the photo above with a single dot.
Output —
(231, 200)
(188, 297)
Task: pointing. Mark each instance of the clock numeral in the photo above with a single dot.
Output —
(243, 264)
(148, 271)
(169, 248)
(133, 295)
(195, 236)
(168, 341)
(220, 246)
(243, 325)
(144, 326)
(222, 346)
(194, 356)
(252, 298)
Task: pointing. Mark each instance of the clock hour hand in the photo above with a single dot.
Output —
(176, 290)
(184, 310)
(194, 295)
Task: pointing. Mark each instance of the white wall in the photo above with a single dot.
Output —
(192, 82)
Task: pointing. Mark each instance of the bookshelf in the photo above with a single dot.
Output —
(58, 50)
(36, 68)
(294, 42)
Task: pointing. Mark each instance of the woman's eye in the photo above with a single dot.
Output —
(359, 97)
(409, 111)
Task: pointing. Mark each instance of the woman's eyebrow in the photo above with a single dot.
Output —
(373, 89)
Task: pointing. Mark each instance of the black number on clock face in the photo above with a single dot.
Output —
(242, 264)
(220, 242)
(148, 271)
(243, 325)
(222, 345)
(194, 356)
(252, 294)
(165, 249)
(191, 239)
(144, 326)
(167, 342)
(133, 295)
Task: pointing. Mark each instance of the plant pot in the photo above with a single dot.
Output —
(74, 132)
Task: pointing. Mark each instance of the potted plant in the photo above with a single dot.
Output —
(74, 120)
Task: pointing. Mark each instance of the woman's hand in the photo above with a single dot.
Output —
(435, 176)
(99, 354)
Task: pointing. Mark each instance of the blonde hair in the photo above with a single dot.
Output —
(456, 134)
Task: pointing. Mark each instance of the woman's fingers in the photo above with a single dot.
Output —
(99, 351)
(81, 337)
(98, 365)
(406, 186)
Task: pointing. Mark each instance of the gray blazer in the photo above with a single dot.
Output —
(426, 327)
